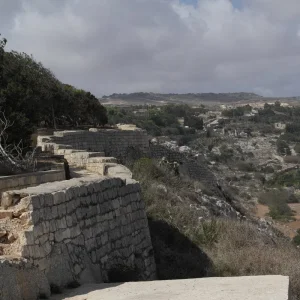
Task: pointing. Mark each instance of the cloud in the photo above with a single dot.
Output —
(111, 46)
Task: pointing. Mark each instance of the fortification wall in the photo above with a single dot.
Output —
(127, 144)
(30, 179)
(112, 142)
(80, 229)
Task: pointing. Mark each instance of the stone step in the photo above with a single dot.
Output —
(68, 151)
(84, 155)
(94, 160)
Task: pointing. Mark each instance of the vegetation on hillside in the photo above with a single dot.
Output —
(159, 120)
(195, 97)
(187, 247)
(31, 96)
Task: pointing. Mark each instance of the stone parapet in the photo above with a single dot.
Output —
(80, 229)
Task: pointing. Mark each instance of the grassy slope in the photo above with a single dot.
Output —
(185, 247)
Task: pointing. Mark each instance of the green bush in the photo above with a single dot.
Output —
(277, 201)
(279, 210)
(283, 148)
(146, 168)
(291, 178)
(296, 240)
(268, 169)
(183, 248)
(245, 166)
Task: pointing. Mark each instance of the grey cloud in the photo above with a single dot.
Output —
(111, 46)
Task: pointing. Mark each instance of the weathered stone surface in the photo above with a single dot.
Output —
(234, 288)
(90, 218)
(6, 214)
(20, 280)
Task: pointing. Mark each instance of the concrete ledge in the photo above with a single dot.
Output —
(227, 288)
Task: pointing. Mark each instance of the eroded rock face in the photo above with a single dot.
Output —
(20, 280)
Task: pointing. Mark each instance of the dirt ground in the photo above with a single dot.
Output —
(288, 228)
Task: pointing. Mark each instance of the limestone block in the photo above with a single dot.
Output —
(61, 223)
(46, 227)
(52, 225)
(48, 200)
(58, 197)
(69, 220)
(75, 231)
(54, 212)
(38, 231)
(28, 237)
(7, 199)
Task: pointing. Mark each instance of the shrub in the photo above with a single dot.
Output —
(296, 239)
(268, 169)
(279, 210)
(245, 166)
(260, 177)
(145, 167)
(277, 201)
(291, 178)
(185, 139)
(283, 148)
(226, 154)
(183, 248)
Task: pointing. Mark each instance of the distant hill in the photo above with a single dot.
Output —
(192, 98)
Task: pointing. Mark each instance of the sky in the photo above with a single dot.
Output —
(178, 46)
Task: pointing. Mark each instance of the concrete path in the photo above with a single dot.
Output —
(234, 288)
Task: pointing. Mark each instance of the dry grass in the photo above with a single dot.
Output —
(186, 247)
(242, 251)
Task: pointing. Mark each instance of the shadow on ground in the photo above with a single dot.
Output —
(82, 292)
(175, 255)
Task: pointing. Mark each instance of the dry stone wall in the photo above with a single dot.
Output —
(112, 142)
(122, 144)
(31, 179)
(81, 229)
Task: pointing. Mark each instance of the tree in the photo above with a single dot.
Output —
(12, 157)
(2, 45)
(32, 96)
(283, 148)
(193, 122)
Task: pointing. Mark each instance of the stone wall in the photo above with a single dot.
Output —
(123, 144)
(112, 142)
(80, 229)
(30, 179)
